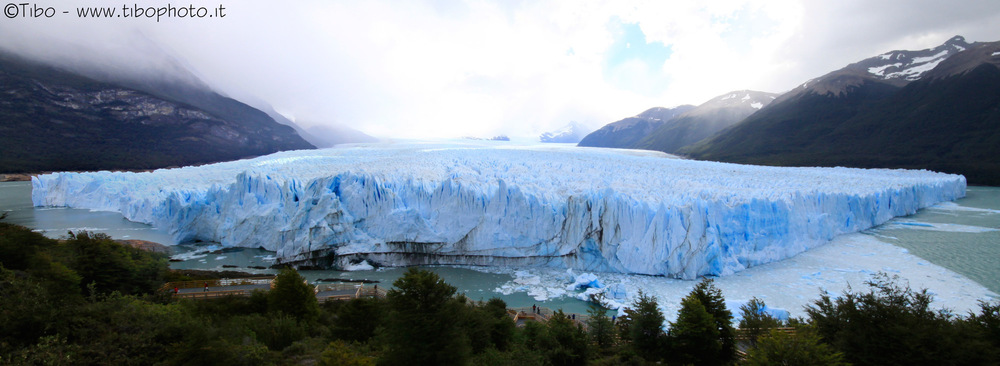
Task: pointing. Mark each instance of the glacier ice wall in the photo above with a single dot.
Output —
(488, 203)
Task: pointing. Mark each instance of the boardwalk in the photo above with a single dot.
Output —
(212, 289)
(539, 314)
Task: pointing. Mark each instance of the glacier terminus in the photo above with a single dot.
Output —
(490, 203)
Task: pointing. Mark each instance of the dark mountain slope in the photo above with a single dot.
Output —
(948, 120)
(705, 120)
(53, 119)
(950, 124)
(786, 131)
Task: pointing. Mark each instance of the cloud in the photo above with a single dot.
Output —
(477, 67)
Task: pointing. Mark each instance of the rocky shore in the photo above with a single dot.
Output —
(17, 177)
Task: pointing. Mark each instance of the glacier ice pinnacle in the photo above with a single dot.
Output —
(480, 203)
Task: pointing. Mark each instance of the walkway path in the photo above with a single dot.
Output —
(211, 289)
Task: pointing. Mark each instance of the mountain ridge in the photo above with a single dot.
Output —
(629, 131)
(946, 119)
(58, 119)
(705, 120)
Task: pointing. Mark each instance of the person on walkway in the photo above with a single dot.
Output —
(532, 308)
(176, 290)
(206, 286)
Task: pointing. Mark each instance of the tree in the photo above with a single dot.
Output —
(421, 327)
(340, 354)
(293, 296)
(711, 298)
(19, 246)
(487, 325)
(987, 325)
(600, 328)
(894, 325)
(357, 319)
(566, 343)
(643, 326)
(694, 337)
(110, 266)
(755, 321)
(803, 348)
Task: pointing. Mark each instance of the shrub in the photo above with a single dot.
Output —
(293, 296)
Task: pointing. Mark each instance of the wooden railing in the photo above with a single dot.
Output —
(211, 294)
(376, 292)
(219, 282)
(543, 315)
(336, 287)
(217, 289)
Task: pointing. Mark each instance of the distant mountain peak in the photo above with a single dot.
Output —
(627, 132)
(572, 132)
(909, 66)
(976, 55)
(705, 120)
(897, 68)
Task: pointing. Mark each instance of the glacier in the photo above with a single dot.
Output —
(496, 204)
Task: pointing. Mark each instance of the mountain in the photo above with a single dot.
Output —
(324, 136)
(57, 119)
(319, 135)
(629, 131)
(895, 68)
(945, 118)
(705, 120)
(571, 133)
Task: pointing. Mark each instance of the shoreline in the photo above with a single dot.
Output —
(18, 177)
(26, 177)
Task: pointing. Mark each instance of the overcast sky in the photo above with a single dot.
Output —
(415, 69)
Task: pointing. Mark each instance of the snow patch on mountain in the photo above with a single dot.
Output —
(880, 70)
(915, 72)
(920, 60)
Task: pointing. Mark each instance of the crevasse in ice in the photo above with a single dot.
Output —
(488, 203)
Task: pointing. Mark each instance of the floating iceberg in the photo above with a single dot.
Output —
(483, 203)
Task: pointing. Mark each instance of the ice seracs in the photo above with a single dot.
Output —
(477, 203)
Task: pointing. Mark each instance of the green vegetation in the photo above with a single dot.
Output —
(87, 300)
(755, 322)
(293, 296)
(802, 348)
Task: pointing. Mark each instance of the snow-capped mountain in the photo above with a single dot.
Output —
(896, 68)
(629, 131)
(705, 120)
(570, 133)
(910, 65)
(938, 110)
